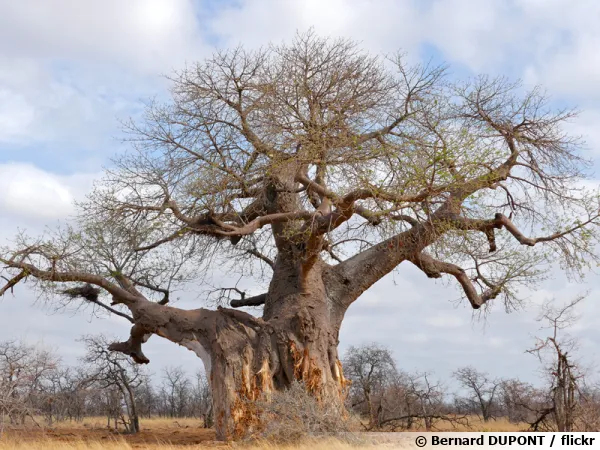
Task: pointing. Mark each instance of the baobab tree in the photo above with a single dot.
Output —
(314, 169)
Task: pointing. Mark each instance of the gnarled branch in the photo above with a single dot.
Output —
(133, 346)
(434, 268)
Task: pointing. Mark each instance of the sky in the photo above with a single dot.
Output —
(71, 70)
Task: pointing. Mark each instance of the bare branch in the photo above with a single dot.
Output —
(434, 268)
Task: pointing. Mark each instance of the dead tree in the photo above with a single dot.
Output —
(589, 408)
(313, 169)
(565, 376)
(429, 399)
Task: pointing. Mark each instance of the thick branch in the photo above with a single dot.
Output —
(72, 276)
(222, 229)
(133, 346)
(257, 300)
(356, 274)
(348, 200)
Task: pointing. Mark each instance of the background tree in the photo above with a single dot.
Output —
(393, 399)
(64, 396)
(429, 400)
(369, 368)
(147, 399)
(416, 400)
(117, 376)
(202, 399)
(518, 400)
(589, 408)
(565, 376)
(313, 170)
(481, 390)
(25, 372)
(175, 392)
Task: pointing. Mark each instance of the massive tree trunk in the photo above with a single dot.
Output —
(248, 357)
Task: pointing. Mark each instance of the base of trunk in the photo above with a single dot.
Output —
(249, 363)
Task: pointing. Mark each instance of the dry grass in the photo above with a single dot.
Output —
(501, 424)
(121, 444)
(149, 424)
(157, 433)
(174, 434)
(475, 424)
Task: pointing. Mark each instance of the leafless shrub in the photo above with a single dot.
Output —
(294, 414)
(589, 408)
(391, 399)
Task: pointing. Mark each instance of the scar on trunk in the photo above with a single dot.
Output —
(306, 370)
(340, 378)
(245, 411)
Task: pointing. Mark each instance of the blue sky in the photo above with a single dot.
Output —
(70, 69)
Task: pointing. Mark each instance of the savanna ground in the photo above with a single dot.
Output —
(166, 434)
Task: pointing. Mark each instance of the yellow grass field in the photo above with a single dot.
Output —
(171, 434)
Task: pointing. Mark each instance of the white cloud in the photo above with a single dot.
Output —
(586, 126)
(416, 338)
(549, 42)
(33, 193)
(147, 34)
(497, 342)
(35, 107)
(385, 26)
(446, 321)
(16, 115)
(466, 31)
(68, 68)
